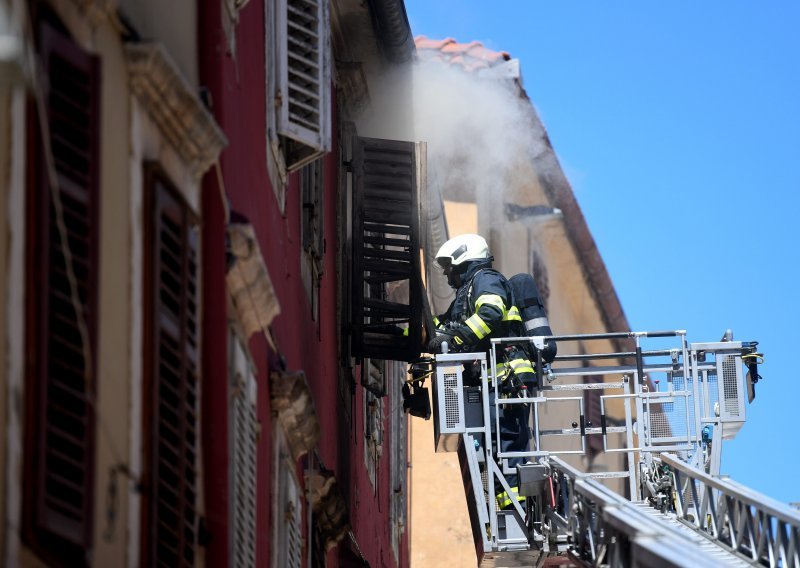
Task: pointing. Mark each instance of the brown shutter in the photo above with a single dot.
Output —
(172, 364)
(386, 256)
(60, 464)
(311, 186)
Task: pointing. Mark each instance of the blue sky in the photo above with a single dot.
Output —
(678, 126)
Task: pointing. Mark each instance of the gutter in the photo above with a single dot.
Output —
(392, 29)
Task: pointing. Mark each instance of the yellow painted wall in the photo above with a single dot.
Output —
(439, 530)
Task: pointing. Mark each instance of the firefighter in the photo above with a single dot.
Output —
(484, 309)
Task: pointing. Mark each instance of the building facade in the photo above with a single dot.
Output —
(201, 255)
(216, 219)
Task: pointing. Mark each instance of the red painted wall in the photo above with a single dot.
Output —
(238, 92)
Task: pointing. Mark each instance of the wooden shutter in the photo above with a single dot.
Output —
(386, 253)
(304, 79)
(311, 186)
(60, 465)
(243, 439)
(290, 534)
(172, 364)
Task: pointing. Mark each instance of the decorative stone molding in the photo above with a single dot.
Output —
(174, 106)
(291, 400)
(330, 510)
(249, 284)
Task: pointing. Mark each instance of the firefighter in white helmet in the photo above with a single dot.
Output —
(484, 309)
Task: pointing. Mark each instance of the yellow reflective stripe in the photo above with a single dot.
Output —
(492, 300)
(458, 340)
(503, 500)
(512, 315)
(501, 371)
(478, 326)
(436, 321)
(405, 332)
(521, 366)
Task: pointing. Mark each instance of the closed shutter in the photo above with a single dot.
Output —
(386, 255)
(311, 186)
(60, 465)
(243, 438)
(399, 461)
(303, 80)
(290, 538)
(171, 529)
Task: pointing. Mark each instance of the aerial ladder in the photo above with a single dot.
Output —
(673, 405)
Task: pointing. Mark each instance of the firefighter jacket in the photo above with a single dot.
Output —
(484, 309)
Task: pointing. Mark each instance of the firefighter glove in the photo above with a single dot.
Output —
(453, 338)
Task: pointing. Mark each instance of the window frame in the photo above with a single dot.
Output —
(374, 418)
(156, 177)
(59, 540)
(243, 389)
(288, 148)
(312, 200)
(287, 492)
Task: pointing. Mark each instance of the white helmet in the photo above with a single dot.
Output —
(462, 249)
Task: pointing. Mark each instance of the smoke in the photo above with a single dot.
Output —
(480, 131)
(482, 137)
(477, 129)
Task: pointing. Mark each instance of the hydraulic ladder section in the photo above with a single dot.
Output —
(663, 414)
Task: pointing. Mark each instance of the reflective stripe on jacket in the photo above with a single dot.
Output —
(483, 309)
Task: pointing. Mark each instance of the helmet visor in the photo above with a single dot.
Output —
(444, 262)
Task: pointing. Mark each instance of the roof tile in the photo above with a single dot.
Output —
(471, 56)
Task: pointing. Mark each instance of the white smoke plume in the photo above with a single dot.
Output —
(478, 128)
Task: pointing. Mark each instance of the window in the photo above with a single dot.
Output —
(373, 420)
(243, 437)
(62, 318)
(399, 462)
(386, 280)
(299, 86)
(303, 87)
(171, 381)
(289, 542)
(311, 202)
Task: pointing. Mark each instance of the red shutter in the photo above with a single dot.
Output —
(170, 518)
(61, 423)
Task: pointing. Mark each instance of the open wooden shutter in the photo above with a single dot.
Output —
(386, 250)
(171, 483)
(304, 80)
(60, 477)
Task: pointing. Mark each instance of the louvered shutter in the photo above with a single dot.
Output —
(311, 186)
(290, 540)
(172, 382)
(62, 467)
(385, 250)
(303, 80)
(243, 438)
